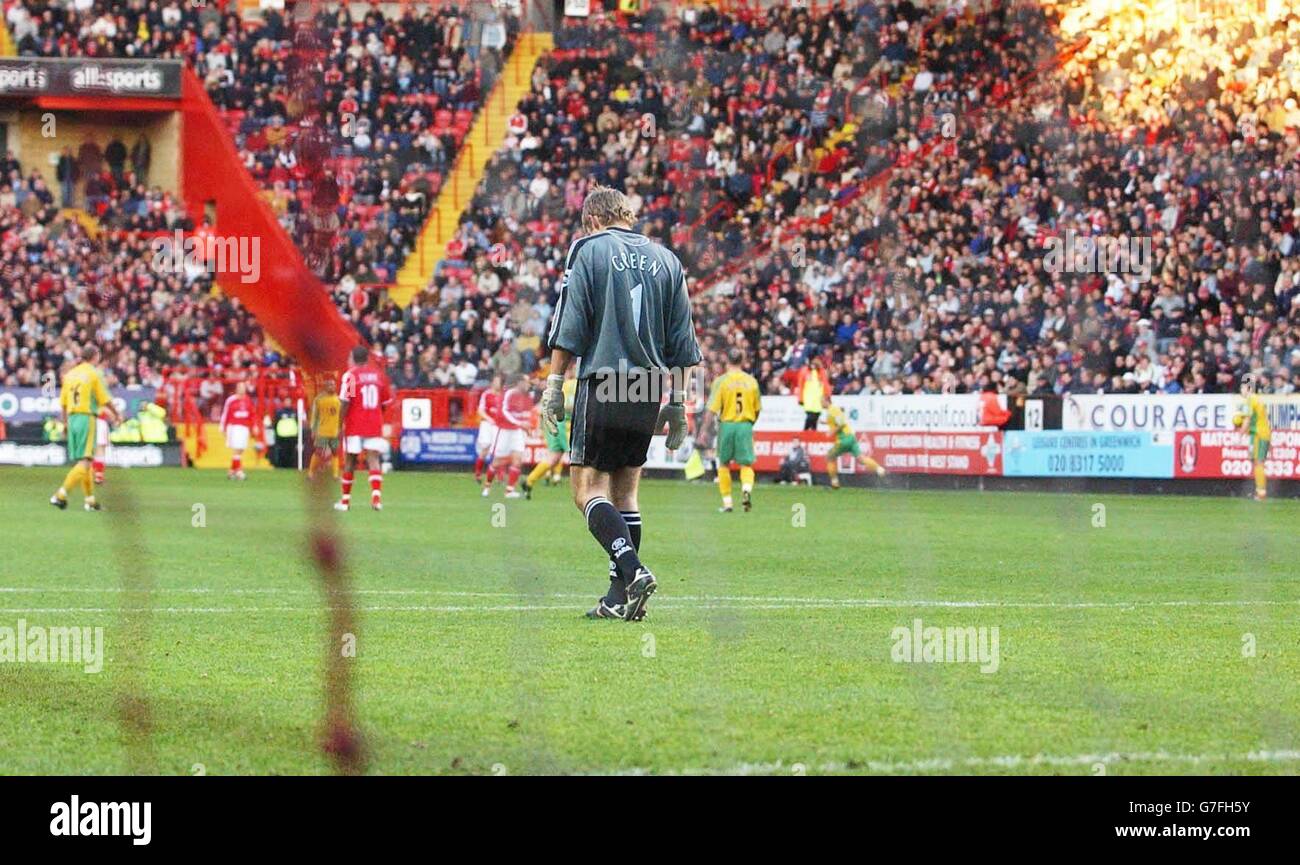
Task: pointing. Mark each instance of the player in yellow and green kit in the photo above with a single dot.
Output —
(557, 444)
(735, 399)
(1254, 420)
(845, 442)
(325, 420)
(81, 397)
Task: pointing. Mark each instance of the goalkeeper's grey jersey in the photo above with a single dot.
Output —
(623, 305)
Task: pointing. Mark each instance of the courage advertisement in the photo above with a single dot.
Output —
(1160, 413)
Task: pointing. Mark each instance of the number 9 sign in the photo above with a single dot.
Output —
(416, 413)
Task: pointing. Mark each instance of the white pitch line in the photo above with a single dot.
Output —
(760, 602)
(1111, 760)
(519, 608)
(671, 603)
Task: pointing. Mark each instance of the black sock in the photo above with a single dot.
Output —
(633, 520)
(617, 593)
(617, 588)
(608, 527)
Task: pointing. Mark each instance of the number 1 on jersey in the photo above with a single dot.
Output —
(636, 306)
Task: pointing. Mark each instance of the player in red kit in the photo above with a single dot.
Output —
(513, 419)
(364, 394)
(489, 402)
(101, 443)
(236, 424)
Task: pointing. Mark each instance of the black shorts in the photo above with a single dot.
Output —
(608, 434)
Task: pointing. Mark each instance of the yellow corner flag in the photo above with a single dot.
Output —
(694, 467)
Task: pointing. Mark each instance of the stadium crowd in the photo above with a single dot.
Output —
(66, 287)
(957, 292)
(877, 188)
(939, 280)
(695, 117)
(954, 293)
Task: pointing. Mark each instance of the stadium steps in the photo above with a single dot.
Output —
(88, 222)
(205, 448)
(483, 140)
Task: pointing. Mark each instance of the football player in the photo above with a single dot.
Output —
(363, 397)
(624, 310)
(1253, 419)
(557, 444)
(735, 400)
(845, 442)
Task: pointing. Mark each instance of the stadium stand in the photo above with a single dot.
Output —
(398, 97)
(773, 162)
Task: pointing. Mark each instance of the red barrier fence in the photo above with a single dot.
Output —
(194, 396)
(448, 407)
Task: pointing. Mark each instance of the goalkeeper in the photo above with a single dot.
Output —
(624, 310)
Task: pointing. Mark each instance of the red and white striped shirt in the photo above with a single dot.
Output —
(238, 411)
(516, 410)
(489, 407)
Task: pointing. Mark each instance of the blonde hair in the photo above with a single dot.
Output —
(606, 206)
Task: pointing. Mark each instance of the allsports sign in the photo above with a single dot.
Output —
(85, 76)
(118, 455)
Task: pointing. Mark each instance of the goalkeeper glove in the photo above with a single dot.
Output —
(552, 404)
(673, 414)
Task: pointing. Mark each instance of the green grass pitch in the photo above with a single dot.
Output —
(1164, 641)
